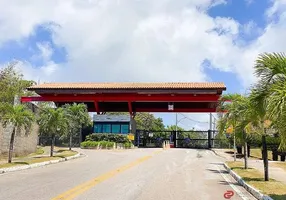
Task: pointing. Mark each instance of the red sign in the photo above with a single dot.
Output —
(228, 194)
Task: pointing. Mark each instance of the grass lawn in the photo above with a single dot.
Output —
(61, 153)
(39, 151)
(256, 154)
(255, 178)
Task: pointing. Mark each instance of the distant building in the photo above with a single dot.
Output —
(117, 124)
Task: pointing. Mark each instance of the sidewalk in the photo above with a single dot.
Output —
(276, 173)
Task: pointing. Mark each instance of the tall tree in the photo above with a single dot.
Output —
(53, 122)
(145, 121)
(77, 115)
(231, 103)
(20, 118)
(12, 84)
(270, 68)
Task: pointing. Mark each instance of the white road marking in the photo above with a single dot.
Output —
(233, 186)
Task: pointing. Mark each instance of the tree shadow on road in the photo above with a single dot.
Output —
(217, 171)
(227, 183)
(216, 163)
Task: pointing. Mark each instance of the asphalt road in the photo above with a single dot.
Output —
(139, 174)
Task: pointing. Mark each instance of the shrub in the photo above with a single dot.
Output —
(127, 145)
(117, 138)
(94, 144)
(87, 144)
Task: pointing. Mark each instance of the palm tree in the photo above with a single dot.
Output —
(19, 117)
(77, 115)
(242, 117)
(53, 122)
(267, 97)
(232, 118)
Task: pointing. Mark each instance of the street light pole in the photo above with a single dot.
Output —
(176, 130)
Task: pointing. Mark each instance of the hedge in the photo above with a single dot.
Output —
(103, 144)
(94, 144)
(117, 138)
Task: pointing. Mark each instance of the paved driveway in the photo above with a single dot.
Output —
(139, 174)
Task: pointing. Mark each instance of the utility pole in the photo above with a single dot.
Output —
(210, 121)
(176, 129)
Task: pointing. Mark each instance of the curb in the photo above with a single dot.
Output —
(35, 165)
(256, 193)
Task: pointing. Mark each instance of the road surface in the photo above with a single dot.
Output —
(140, 174)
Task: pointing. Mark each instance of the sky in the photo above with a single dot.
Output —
(142, 41)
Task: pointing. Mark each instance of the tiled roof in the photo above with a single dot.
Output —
(111, 118)
(178, 85)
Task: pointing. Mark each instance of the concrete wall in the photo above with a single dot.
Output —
(25, 141)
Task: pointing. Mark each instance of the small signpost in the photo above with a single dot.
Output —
(170, 106)
(130, 136)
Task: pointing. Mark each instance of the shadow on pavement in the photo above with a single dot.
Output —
(218, 172)
(226, 183)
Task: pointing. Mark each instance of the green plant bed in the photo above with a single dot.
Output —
(127, 145)
(117, 138)
(95, 144)
(104, 145)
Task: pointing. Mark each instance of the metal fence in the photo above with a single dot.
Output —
(61, 142)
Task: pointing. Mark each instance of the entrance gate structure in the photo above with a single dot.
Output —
(185, 97)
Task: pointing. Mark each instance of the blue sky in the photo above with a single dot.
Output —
(128, 40)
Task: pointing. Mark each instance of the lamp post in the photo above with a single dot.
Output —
(176, 128)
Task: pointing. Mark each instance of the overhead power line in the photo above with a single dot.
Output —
(193, 119)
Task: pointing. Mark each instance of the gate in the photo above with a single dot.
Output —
(149, 138)
(192, 139)
(183, 139)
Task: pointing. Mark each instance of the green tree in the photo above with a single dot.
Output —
(77, 115)
(232, 118)
(268, 99)
(241, 116)
(20, 118)
(145, 121)
(53, 122)
(12, 84)
(173, 127)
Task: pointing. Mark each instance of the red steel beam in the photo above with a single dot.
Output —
(130, 107)
(123, 98)
(185, 110)
(96, 107)
(201, 110)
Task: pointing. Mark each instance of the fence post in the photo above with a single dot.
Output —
(209, 139)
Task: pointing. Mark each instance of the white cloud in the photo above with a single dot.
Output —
(128, 41)
(248, 2)
(139, 40)
(45, 52)
(278, 7)
(251, 29)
